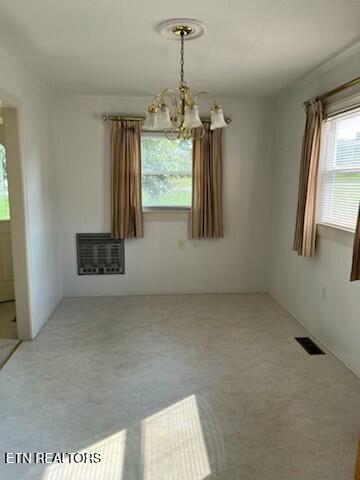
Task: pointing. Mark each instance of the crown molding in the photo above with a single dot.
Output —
(336, 59)
(324, 67)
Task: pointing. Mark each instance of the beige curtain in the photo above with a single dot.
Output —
(357, 467)
(355, 271)
(126, 205)
(207, 208)
(305, 230)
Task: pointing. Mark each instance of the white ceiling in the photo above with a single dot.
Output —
(252, 47)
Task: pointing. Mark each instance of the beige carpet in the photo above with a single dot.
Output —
(181, 387)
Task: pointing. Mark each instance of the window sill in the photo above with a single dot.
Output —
(336, 234)
(168, 214)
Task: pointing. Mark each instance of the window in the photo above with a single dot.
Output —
(4, 191)
(166, 172)
(340, 171)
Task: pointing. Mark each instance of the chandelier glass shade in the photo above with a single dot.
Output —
(176, 113)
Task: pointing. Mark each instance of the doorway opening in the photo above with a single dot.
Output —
(7, 292)
(12, 270)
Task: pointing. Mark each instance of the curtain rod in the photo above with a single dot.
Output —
(117, 118)
(336, 90)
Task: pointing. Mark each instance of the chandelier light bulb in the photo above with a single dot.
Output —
(217, 118)
(150, 122)
(163, 119)
(192, 117)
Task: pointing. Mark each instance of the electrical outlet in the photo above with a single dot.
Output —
(181, 245)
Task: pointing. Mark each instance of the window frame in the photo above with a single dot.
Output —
(322, 173)
(181, 212)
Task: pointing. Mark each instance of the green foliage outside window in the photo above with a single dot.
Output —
(166, 172)
(4, 192)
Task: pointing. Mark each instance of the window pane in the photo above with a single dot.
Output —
(347, 142)
(341, 192)
(340, 171)
(4, 191)
(166, 172)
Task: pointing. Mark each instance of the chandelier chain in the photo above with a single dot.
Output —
(182, 58)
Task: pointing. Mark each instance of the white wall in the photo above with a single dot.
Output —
(316, 291)
(35, 104)
(237, 263)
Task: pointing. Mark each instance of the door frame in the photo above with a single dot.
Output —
(18, 217)
(7, 292)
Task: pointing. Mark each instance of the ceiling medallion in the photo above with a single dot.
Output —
(197, 28)
(176, 113)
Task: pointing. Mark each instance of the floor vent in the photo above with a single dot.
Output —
(309, 346)
(99, 254)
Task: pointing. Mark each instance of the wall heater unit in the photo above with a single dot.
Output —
(99, 254)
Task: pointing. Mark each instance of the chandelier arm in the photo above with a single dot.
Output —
(168, 92)
(172, 134)
(208, 94)
(156, 99)
(202, 133)
(159, 97)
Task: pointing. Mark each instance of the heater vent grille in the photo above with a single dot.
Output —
(309, 345)
(99, 254)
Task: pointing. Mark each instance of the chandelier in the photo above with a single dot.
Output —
(176, 114)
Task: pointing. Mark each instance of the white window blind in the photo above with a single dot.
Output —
(340, 171)
(166, 172)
